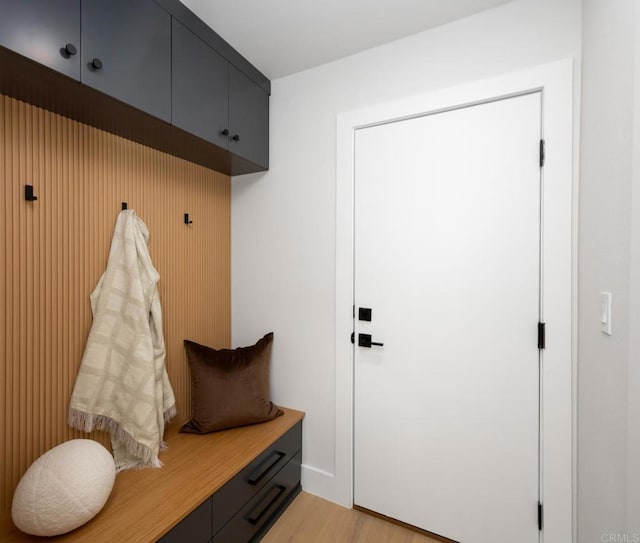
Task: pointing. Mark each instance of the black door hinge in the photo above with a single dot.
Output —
(539, 517)
(541, 335)
(353, 337)
(541, 153)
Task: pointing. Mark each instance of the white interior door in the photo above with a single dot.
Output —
(447, 256)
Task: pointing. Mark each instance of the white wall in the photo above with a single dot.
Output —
(604, 264)
(283, 229)
(633, 452)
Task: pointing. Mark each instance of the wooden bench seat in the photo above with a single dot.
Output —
(146, 504)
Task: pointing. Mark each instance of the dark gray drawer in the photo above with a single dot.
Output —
(257, 515)
(227, 501)
(196, 527)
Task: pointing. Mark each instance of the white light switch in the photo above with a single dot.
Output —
(605, 313)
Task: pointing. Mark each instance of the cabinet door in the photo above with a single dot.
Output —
(131, 42)
(248, 118)
(199, 87)
(41, 30)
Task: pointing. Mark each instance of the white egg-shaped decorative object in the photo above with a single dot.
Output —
(64, 488)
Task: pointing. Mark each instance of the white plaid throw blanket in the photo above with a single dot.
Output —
(122, 385)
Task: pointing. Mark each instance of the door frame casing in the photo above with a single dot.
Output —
(558, 367)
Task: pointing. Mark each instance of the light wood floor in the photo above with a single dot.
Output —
(310, 519)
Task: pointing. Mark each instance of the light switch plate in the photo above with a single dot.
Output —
(605, 313)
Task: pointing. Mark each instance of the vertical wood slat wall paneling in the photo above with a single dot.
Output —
(4, 323)
(54, 250)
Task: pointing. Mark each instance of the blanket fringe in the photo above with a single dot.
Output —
(88, 422)
(170, 413)
(139, 466)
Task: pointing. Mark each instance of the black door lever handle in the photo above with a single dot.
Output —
(364, 340)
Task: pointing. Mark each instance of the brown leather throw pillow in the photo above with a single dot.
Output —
(229, 387)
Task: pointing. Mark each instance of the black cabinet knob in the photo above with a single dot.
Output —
(96, 64)
(70, 49)
(225, 132)
(236, 138)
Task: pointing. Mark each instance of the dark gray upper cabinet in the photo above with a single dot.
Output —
(248, 119)
(151, 71)
(126, 53)
(47, 31)
(199, 87)
(214, 100)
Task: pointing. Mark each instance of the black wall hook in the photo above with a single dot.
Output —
(28, 194)
(124, 206)
(186, 219)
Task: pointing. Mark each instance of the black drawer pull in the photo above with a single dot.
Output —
(236, 137)
(279, 489)
(96, 64)
(255, 479)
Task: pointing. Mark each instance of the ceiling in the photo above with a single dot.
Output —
(281, 37)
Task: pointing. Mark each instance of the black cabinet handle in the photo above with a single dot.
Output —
(225, 132)
(96, 63)
(255, 479)
(236, 138)
(70, 49)
(254, 518)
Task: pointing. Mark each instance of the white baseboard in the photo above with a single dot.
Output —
(321, 483)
